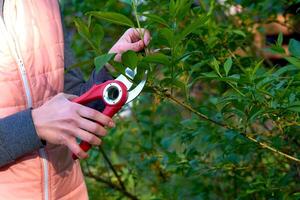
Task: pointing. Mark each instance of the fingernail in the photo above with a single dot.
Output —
(147, 42)
(98, 142)
(111, 124)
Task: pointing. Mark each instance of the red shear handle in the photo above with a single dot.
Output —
(97, 93)
(108, 111)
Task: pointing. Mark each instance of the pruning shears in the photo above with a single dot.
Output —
(114, 93)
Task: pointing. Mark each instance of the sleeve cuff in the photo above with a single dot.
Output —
(18, 135)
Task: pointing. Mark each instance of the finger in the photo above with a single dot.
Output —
(137, 46)
(118, 57)
(92, 127)
(69, 96)
(87, 137)
(95, 115)
(147, 37)
(135, 34)
(75, 148)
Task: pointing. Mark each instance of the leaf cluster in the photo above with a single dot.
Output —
(161, 149)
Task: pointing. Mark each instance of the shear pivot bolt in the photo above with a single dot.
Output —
(112, 93)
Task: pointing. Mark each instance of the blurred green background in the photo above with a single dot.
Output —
(233, 62)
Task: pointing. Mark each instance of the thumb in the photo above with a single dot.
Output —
(70, 96)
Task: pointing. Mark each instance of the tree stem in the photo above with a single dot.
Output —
(112, 168)
(89, 174)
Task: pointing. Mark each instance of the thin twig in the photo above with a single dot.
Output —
(89, 174)
(266, 146)
(112, 168)
(188, 107)
(141, 33)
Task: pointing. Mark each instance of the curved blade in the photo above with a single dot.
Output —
(138, 89)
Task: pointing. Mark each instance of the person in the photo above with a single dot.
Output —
(39, 124)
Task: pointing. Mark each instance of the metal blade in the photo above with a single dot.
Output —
(124, 80)
(128, 83)
(130, 74)
(138, 89)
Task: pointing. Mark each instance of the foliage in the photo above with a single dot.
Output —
(211, 124)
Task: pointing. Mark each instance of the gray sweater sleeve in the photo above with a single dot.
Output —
(75, 84)
(74, 79)
(17, 136)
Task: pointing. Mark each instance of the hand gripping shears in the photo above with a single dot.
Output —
(114, 94)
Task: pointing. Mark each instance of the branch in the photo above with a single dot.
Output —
(112, 168)
(204, 117)
(89, 174)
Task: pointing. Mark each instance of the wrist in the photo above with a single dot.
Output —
(34, 114)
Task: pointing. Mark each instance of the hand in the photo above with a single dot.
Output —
(131, 40)
(60, 121)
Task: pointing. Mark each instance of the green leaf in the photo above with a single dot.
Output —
(285, 69)
(216, 66)
(297, 194)
(192, 27)
(130, 59)
(294, 108)
(82, 29)
(293, 61)
(119, 67)
(168, 34)
(179, 8)
(97, 34)
(214, 76)
(100, 61)
(252, 74)
(172, 7)
(112, 17)
(230, 134)
(210, 74)
(255, 113)
(227, 66)
(173, 82)
(89, 21)
(158, 58)
(256, 67)
(294, 48)
(276, 50)
(93, 38)
(239, 32)
(129, 2)
(156, 19)
(279, 39)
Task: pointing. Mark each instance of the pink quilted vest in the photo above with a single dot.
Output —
(31, 72)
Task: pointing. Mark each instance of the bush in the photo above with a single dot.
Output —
(217, 120)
